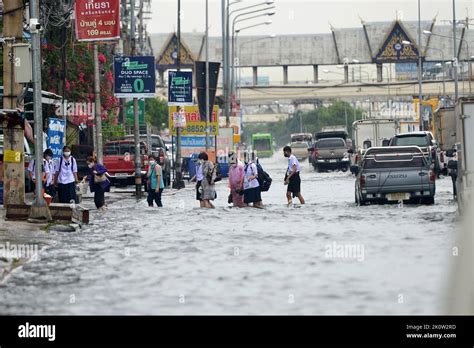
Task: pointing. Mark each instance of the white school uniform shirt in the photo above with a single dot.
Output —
(292, 160)
(250, 170)
(199, 174)
(32, 168)
(66, 170)
(50, 170)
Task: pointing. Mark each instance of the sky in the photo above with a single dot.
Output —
(302, 17)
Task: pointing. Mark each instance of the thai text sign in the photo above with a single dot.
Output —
(56, 131)
(134, 77)
(97, 20)
(180, 88)
(194, 124)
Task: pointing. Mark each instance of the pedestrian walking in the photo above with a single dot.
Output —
(66, 177)
(292, 177)
(208, 181)
(252, 191)
(32, 172)
(198, 177)
(98, 182)
(49, 173)
(236, 180)
(155, 182)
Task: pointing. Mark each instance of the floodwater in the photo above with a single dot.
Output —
(327, 257)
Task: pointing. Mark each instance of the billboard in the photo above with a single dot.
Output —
(97, 20)
(194, 124)
(134, 77)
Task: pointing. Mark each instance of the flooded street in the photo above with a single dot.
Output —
(279, 260)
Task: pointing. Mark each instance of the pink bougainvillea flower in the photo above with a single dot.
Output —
(102, 58)
(68, 86)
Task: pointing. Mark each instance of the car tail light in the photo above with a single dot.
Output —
(362, 181)
(316, 153)
(432, 176)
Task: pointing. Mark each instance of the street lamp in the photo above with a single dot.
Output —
(442, 68)
(226, 14)
(236, 20)
(420, 94)
(429, 33)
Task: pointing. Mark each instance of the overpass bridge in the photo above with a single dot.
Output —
(312, 93)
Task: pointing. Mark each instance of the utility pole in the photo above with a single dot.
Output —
(207, 75)
(39, 209)
(420, 74)
(226, 60)
(98, 107)
(136, 127)
(14, 173)
(178, 180)
(455, 56)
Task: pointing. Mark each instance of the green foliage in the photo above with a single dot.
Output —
(313, 121)
(75, 80)
(156, 112)
(112, 131)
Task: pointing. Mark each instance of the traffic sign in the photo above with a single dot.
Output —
(134, 77)
(180, 88)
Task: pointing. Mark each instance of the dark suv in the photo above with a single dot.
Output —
(425, 141)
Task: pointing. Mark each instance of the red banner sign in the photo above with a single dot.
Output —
(97, 20)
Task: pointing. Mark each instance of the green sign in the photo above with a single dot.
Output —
(129, 111)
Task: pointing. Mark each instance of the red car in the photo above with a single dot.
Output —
(119, 159)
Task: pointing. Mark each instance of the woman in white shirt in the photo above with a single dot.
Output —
(252, 192)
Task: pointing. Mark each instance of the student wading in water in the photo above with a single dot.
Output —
(155, 182)
(292, 177)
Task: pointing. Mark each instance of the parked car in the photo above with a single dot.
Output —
(393, 174)
(119, 159)
(426, 142)
(156, 145)
(330, 153)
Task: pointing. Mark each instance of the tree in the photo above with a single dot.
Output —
(313, 121)
(156, 113)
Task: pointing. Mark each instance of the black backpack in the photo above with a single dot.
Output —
(264, 179)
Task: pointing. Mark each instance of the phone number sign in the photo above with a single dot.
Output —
(134, 77)
(194, 124)
(97, 20)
